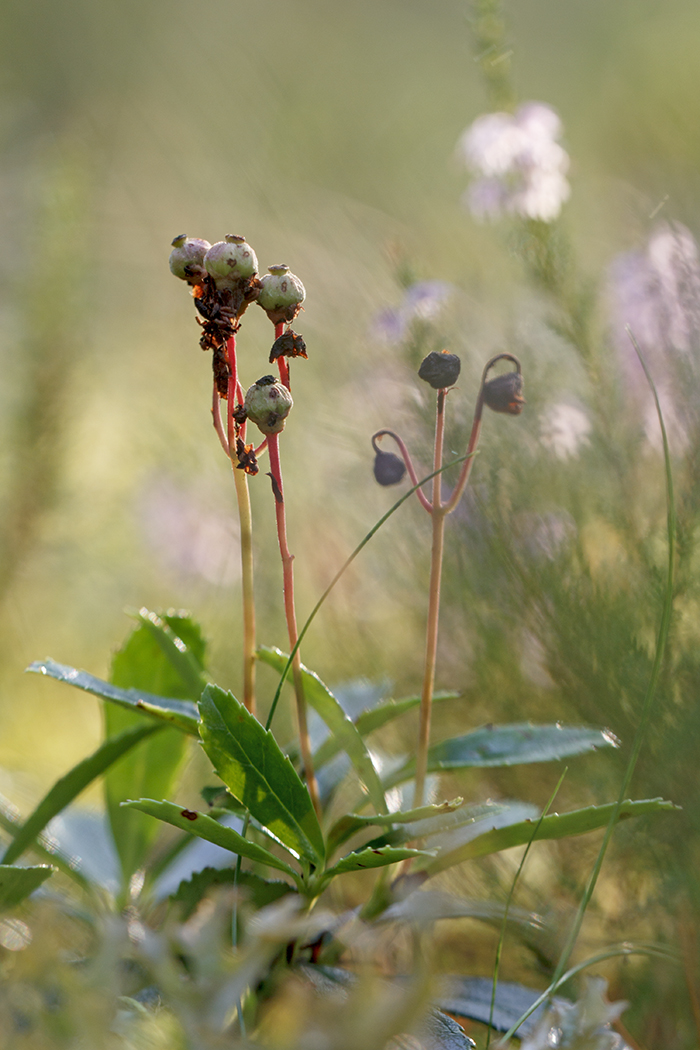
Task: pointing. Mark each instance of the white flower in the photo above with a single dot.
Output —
(563, 429)
(656, 292)
(519, 166)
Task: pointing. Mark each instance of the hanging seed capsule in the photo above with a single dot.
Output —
(389, 468)
(231, 261)
(281, 295)
(440, 369)
(505, 393)
(187, 258)
(267, 404)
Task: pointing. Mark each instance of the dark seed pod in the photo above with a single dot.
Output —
(289, 344)
(389, 468)
(505, 393)
(440, 369)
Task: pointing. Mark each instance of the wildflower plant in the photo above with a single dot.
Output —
(220, 952)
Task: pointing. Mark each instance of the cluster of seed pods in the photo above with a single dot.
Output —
(224, 281)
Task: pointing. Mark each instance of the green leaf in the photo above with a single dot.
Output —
(350, 823)
(369, 721)
(17, 883)
(180, 641)
(259, 891)
(155, 658)
(319, 696)
(553, 826)
(179, 713)
(374, 858)
(69, 786)
(509, 745)
(205, 827)
(460, 826)
(251, 764)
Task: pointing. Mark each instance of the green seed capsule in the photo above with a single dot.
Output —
(281, 295)
(231, 261)
(187, 258)
(267, 404)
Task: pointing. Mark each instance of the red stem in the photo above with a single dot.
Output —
(290, 613)
(282, 362)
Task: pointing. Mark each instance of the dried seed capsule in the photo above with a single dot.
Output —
(187, 258)
(289, 344)
(440, 369)
(231, 261)
(505, 393)
(389, 468)
(267, 404)
(281, 295)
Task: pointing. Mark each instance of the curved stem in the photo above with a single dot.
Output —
(431, 638)
(475, 432)
(425, 502)
(240, 479)
(290, 613)
(216, 417)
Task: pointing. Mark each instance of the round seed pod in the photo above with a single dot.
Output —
(505, 393)
(389, 468)
(231, 261)
(187, 258)
(281, 295)
(440, 370)
(267, 404)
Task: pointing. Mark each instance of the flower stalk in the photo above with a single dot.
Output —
(502, 394)
(290, 614)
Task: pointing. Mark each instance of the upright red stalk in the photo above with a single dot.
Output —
(282, 363)
(246, 531)
(290, 613)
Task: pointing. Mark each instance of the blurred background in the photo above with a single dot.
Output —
(325, 133)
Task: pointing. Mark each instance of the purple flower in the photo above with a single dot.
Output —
(422, 301)
(519, 166)
(656, 292)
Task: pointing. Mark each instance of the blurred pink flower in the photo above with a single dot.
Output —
(519, 166)
(421, 301)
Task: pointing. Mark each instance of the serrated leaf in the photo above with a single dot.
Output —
(260, 891)
(17, 883)
(178, 713)
(204, 827)
(319, 696)
(553, 826)
(255, 770)
(76, 780)
(350, 823)
(374, 858)
(374, 719)
(509, 745)
(155, 658)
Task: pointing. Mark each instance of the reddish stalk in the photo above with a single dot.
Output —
(282, 362)
(246, 528)
(290, 613)
(438, 514)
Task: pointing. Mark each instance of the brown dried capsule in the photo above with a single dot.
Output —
(389, 468)
(289, 344)
(440, 369)
(505, 393)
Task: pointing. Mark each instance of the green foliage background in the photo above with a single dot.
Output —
(325, 133)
